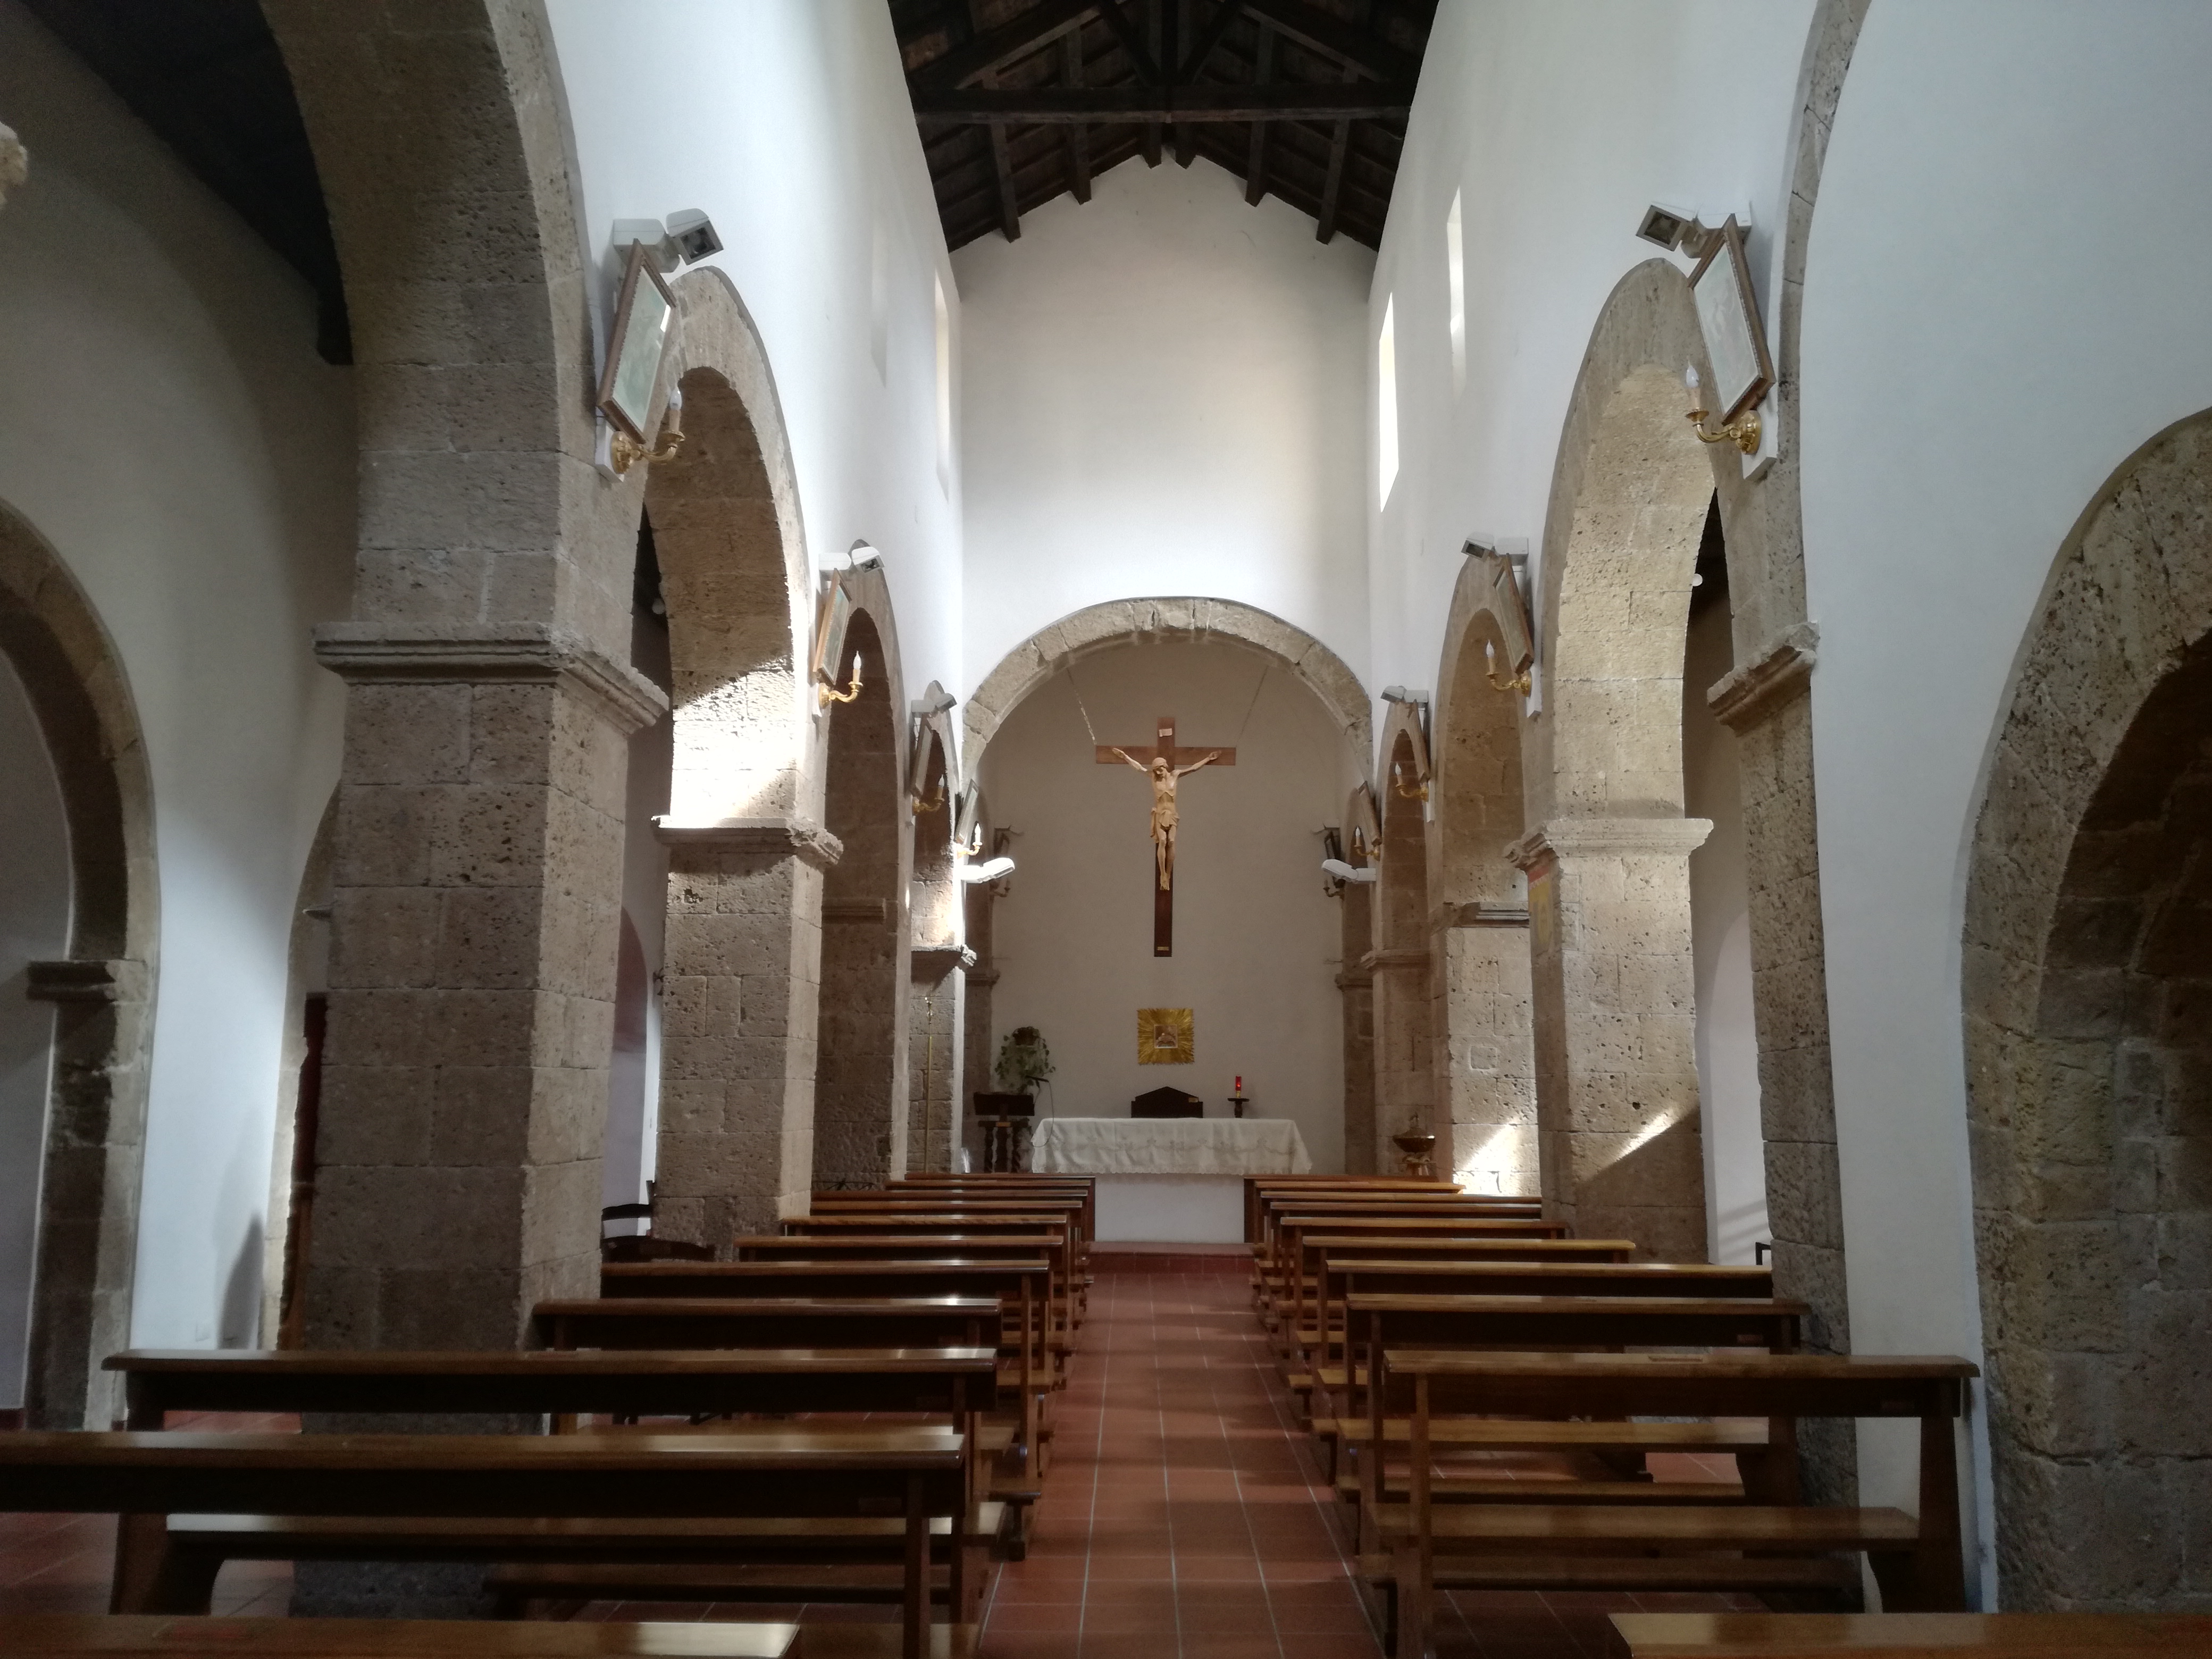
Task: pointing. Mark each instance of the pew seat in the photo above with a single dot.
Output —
(1906, 1634)
(140, 1636)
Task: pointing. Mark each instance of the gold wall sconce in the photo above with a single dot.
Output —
(827, 692)
(1743, 431)
(624, 451)
(1513, 683)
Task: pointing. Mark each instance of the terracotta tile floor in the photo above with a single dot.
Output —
(1184, 1517)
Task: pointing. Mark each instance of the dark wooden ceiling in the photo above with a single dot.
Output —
(1018, 101)
(207, 77)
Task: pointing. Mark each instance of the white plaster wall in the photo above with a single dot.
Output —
(2005, 297)
(169, 428)
(1559, 124)
(35, 920)
(789, 122)
(1161, 395)
(1727, 1040)
(1256, 940)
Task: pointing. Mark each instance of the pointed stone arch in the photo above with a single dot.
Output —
(1401, 961)
(102, 992)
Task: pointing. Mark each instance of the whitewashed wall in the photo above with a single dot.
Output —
(170, 430)
(1557, 123)
(1256, 940)
(790, 125)
(2005, 297)
(1161, 395)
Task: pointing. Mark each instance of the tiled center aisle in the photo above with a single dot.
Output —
(1183, 1514)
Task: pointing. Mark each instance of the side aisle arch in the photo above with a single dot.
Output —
(102, 991)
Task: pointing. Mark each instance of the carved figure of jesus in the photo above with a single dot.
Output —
(1164, 778)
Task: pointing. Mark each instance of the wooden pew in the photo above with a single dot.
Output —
(1306, 1289)
(1023, 1285)
(1774, 1542)
(525, 1489)
(907, 1245)
(955, 1384)
(878, 1225)
(1286, 1246)
(1381, 1325)
(652, 1322)
(124, 1636)
(986, 1186)
(1906, 1635)
(1256, 1186)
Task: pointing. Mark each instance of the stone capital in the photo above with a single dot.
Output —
(504, 654)
(1747, 696)
(113, 979)
(791, 835)
(1580, 837)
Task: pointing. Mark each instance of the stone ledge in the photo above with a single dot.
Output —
(1355, 980)
(1747, 696)
(97, 979)
(796, 836)
(875, 910)
(530, 654)
(936, 961)
(1382, 961)
(1477, 914)
(1584, 837)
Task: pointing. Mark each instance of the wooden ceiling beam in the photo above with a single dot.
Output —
(992, 49)
(1078, 136)
(1332, 190)
(1256, 159)
(1310, 26)
(1060, 105)
(1208, 39)
(1148, 68)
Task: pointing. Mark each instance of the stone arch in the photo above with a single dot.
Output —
(1363, 1151)
(1479, 917)
(862, 1083)
(940, 954)
(2088, 992)
(747, 852)
(103, 991)
(490, 694)
(1401, 961)
(1097, 628)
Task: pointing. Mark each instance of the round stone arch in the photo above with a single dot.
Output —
(2088, 1006)
(103, 991)
(1097, 628)
(1402, 959)
(1479, 919)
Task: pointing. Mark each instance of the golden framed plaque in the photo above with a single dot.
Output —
(1164, 1037)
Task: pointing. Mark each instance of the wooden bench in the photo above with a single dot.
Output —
(956, 1384)
(536, 1486)
(1287, 1249)
(126, 1635)
(984, 1186)
(1258, 1188)
(1773, 1543)
(1906, 1634)
(1022, 1287)
(1292, 1299)
(876, 1233)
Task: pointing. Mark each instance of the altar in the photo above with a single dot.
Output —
(1169, 1180)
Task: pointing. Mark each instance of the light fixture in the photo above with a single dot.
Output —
(624, 451)
(693, 233)
(1742, 432)
(1344, 872)
(1517, 683)
(827, 692)
(1399, 693)
(989, 870)
(1672, 228)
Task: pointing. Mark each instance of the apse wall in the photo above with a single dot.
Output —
(1161, 395)
(1257, 943)
(171, 431)
(791, 125)
(1556, 126)
(1974, 368)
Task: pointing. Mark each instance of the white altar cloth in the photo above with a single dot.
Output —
(1167, 1146)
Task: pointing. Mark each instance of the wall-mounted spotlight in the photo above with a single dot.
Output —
(1399, 693)
(693, 232)
(1343, 872)
(989, 870)
(1672, 228)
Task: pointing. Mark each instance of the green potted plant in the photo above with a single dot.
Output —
(1024, 1061)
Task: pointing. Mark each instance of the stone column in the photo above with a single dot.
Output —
(1404, 1070)
(474, 923)
(1614, 1014)
(935, 1063)
(740, 1002)
(1487, 1062)
(978, 1042)
(88, 1188)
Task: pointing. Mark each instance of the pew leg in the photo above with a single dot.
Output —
(915, 1603)
(1413, 1604)
(153, 1575)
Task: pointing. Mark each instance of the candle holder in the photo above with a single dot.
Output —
(1239, 1102)
(1418, 1152)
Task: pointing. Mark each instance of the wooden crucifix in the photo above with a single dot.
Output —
(1166, 766)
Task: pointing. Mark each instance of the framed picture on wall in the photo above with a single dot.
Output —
(644, 310)
(1165, 1037)
(1727, 311)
